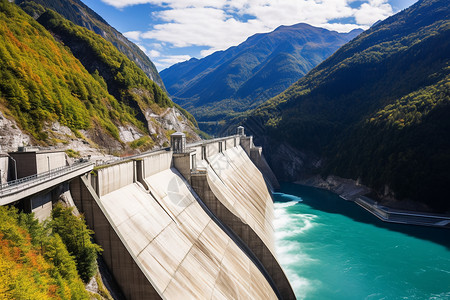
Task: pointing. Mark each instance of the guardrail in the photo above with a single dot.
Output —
(122, 159)
(140, 155)
(204, 142)
(12, 186)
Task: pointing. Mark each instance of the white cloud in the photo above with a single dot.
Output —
(220, 24)
(153, 53)
(373, 11)
(166, 61)
(133, 35)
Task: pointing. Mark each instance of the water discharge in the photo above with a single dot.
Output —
(333, 249)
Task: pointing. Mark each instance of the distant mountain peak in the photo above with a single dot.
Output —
(243, 76)
(376, 111)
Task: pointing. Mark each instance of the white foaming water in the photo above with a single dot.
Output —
(289, 251)
(286, 204)
(289, 225)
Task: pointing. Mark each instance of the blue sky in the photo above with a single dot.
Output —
(171, 31)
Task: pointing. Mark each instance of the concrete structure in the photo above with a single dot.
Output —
(190, 221)
(34, 193)
(390, 215)
(164, 234)
(193, 221)
(31, 161)
(178, 142)
(4, 168)
(235, 191)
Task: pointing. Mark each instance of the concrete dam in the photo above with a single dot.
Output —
(193, 221)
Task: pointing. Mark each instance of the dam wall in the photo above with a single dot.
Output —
(205, 149)
(235, 191)
(111, 178)
(116, 253)
(195, 223)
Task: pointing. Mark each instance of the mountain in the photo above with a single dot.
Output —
(244, 76)
(62, 84)
(78, 13)
(376, 111)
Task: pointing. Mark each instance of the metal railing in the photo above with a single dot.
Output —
(204, 142)
(21, 183)
(113, 161)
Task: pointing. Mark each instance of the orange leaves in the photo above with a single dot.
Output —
(24, 272)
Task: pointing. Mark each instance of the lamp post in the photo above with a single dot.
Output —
(48, 163)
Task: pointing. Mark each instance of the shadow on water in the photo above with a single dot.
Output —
(329, 202)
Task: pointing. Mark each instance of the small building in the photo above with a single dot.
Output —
(30, 161)
(178, 142)
(240, 131)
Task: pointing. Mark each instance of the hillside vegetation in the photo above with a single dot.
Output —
(78, 13)
(377, 110)
(39, 261)
(41, 81)
(242, 77)
(93, 93)
(124, 79)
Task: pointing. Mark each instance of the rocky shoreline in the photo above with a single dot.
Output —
(388, 210)
(347, 189)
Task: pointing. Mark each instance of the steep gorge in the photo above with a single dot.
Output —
(376, 111)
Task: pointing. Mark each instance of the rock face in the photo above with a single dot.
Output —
(11, 136)
(289, 163)
(346, 188)
(170, 119)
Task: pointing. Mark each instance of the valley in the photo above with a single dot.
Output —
(163, 150)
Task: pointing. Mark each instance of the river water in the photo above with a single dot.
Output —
(333, 249)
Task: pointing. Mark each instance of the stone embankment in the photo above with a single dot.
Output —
(353, 191)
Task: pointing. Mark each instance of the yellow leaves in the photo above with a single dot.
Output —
(24, 271)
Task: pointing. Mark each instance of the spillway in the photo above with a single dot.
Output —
(170, 231)
(183, 251)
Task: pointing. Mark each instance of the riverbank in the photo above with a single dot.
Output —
(351, 190)
(332, 249)
(391, 215)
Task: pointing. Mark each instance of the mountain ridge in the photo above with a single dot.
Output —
(242, 76)
(350, 113)
(62, 84)
(80, 14)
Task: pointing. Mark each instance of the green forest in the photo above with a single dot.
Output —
(78, 13)
(378, 109)
(44, 80)
(50, 260)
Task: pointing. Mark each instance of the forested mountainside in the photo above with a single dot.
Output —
(377, 111)
(99, 96)
(244, 76)
(49, 260)
(78, 13)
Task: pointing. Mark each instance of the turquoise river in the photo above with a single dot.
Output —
(333, 249)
